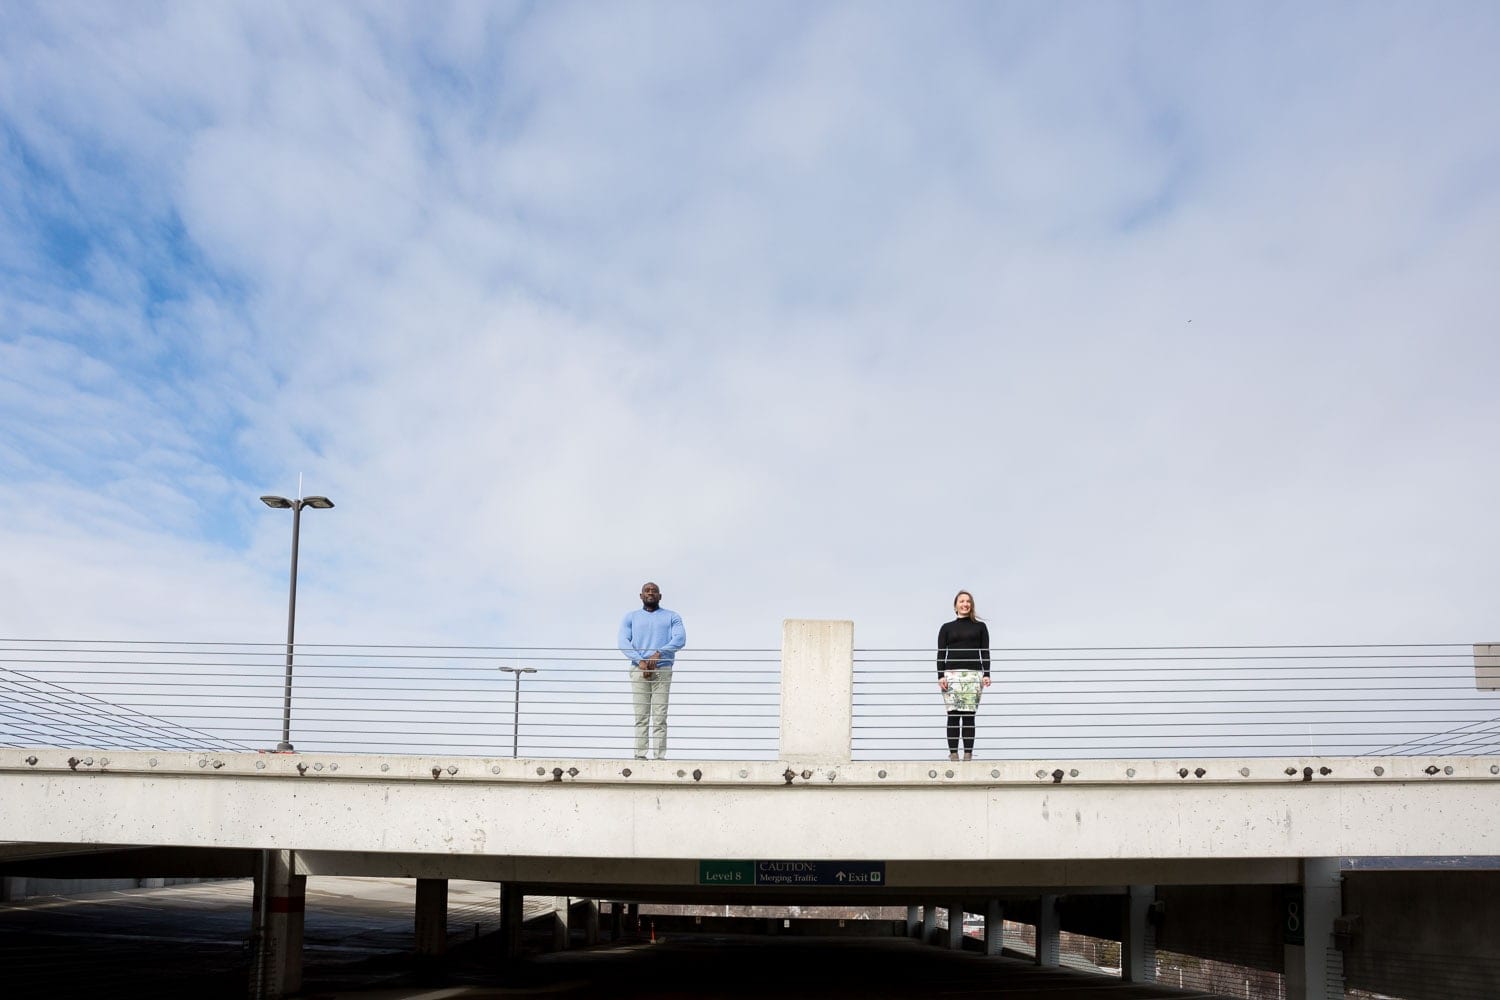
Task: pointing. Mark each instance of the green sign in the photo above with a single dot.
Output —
(726, 872)
(792, 873)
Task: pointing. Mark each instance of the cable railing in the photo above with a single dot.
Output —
(456, 701)
(1185, 701)
(1080, 703)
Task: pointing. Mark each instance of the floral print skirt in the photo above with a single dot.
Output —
(964, 689)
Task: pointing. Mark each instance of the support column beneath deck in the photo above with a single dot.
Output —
(591, 921)
(1048, 933)
(1138, 946)
(1314, 968)
(560, 931)
(278, 964)
(954, 939)
(994, 927)
(432, 918)
(512, 915)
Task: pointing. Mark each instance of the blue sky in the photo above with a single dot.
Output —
(1146, 323)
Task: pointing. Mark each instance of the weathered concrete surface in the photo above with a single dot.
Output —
(908, 811)
(817, 701)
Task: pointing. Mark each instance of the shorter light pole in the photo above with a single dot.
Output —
(515, 736)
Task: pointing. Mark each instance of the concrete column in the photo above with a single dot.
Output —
(512, 916)
(954, 940)
(432, 917)
(994, 927)
(1314, 968)
(817, 690)
(616, 919)
(278, 967)
(560, 923)
(1048, 937)
(1138, 949)
(929, 923)
(12, 888)
(914, 921)
(591, 921)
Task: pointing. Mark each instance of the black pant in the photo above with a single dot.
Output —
(961, 722)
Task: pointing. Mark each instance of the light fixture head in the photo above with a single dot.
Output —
(321, 503)
(281, 503)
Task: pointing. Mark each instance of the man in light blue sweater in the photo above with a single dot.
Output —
(650, 638)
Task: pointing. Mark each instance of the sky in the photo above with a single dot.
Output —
(1163, 323)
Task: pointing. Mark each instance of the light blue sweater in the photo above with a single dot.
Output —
(645, 632)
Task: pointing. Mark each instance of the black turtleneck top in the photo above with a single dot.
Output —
(963, 644)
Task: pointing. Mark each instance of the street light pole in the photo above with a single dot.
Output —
(295, 506)
(515, 735)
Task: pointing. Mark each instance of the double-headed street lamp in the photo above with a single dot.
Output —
(515, 733)
(295, 506)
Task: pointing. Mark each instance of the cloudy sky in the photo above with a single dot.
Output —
(1158, 323)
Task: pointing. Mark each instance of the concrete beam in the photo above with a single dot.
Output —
(761, 815)
(675, 880)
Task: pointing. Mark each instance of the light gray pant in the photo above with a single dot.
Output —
(649, 692)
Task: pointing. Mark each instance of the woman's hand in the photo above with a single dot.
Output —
(942, 683)
(986, 682)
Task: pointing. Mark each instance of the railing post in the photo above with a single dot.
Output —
(817, 690)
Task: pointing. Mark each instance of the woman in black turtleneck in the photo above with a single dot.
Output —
(963, 668)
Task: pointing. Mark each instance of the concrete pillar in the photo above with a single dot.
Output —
(929, 923)
(512, 916)
(432, 917)
(560, 923)
(1314, 967)
(591, 921)
(914, 921)
(1138, 948)
(616, 920)
(278, 965)
(817, 691)
(954, 939)
(994, 927)
(1048, 933)
(12, 888)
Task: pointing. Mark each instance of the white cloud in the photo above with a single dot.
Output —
(1144, 328)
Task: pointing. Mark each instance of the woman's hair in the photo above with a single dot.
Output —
(973, 611)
